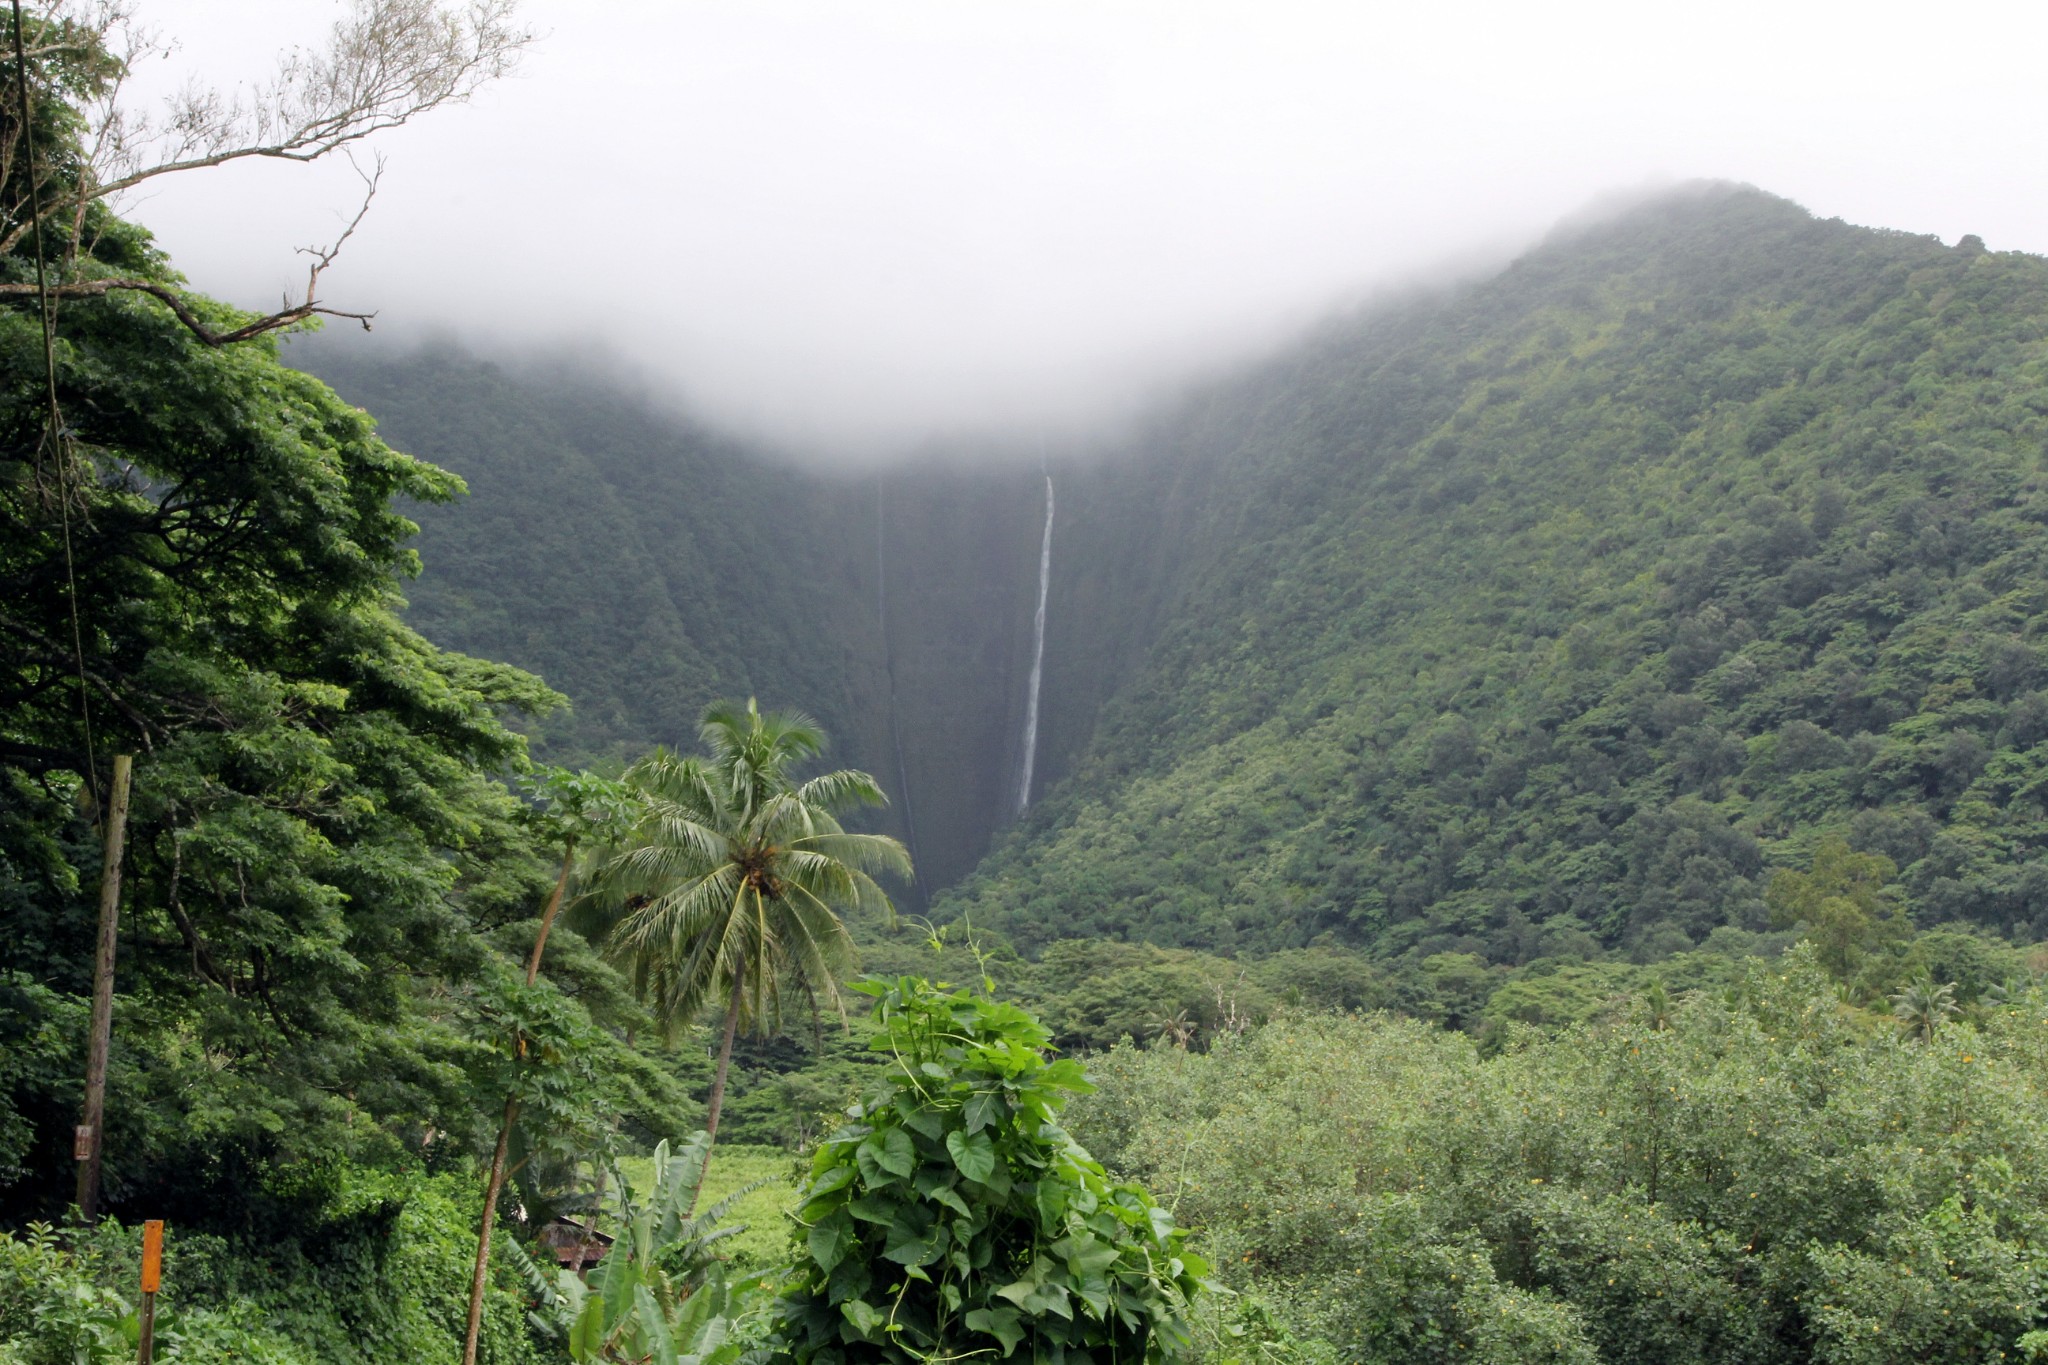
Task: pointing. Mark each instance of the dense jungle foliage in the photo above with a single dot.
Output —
(1547, 615)
(329, 867)
(1751, 1174)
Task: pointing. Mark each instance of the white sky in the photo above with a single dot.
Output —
(852, 224)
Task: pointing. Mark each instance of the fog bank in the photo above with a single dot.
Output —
(851, 229)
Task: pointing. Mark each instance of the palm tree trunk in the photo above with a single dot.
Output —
(495, 1186)
(717, 1103)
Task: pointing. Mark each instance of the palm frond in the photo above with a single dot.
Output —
(841, 790)
(867, 852)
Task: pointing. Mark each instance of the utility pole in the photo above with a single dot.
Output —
(87, 1146)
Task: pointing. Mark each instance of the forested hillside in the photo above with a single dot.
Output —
(1576, 603)
(1551, 612)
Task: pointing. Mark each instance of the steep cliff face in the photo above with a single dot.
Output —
(1567, 603)
(645, 566)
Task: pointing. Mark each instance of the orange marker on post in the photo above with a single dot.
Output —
(152, 1276)
(152, 1254)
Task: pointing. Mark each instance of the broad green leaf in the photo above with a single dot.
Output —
(886, 1156)
(830, 1239)
(873, 1208)
(654, 1333)
(586, 1334)
(982, 1110)
(1049, 1297)
(915, 1238)
(974, 1154)
(863, 1316)
(619, 1276)
(1067, 1074)
(919, 1118)
(1085, 1256)
(1004, 1324)
(832, 1178)
(1051, 1201)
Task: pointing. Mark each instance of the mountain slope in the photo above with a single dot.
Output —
(1571, 604)
(1547, 614)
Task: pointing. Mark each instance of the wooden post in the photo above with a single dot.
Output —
(152, 1275)
(88, 1145)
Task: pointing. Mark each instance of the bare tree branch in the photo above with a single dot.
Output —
(384, 64)
(85, 289)
(310, 306)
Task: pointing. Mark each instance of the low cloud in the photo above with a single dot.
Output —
(852, 229)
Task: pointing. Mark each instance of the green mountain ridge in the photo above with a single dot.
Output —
(1543, 615)
(1573, 604)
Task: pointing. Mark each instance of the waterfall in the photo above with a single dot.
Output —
(889, 671)
(1037, 656)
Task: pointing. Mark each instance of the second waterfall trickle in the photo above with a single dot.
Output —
(1037, 656)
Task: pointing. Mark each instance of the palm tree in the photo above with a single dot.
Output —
(729, 886)
(1923, 1007)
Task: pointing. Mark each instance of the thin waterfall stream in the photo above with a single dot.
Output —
(1037, 656)
(889, 670)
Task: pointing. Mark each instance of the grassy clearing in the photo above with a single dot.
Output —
(764, 1211)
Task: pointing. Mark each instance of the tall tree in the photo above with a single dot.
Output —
(572, 809)
(730, 886)
(199, 557)
(1846, 904)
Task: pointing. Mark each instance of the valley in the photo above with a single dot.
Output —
(1569, 602)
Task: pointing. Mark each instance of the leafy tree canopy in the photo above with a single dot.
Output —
(201, 550)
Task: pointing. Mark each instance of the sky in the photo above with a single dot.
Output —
(851, 227)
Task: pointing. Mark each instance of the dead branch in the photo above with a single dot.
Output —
(309, 306)
(86, 289)
(384, 64)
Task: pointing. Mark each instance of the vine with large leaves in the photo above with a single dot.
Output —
(954, 1216)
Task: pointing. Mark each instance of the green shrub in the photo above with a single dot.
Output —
(58, 1307)
(955, 1216)
(375, 1272)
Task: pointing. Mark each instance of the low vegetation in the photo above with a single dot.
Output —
(1758, 1173)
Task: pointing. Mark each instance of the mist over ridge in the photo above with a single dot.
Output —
(1004, 419)
(975, 415)
(868, 229)
(994, 419)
